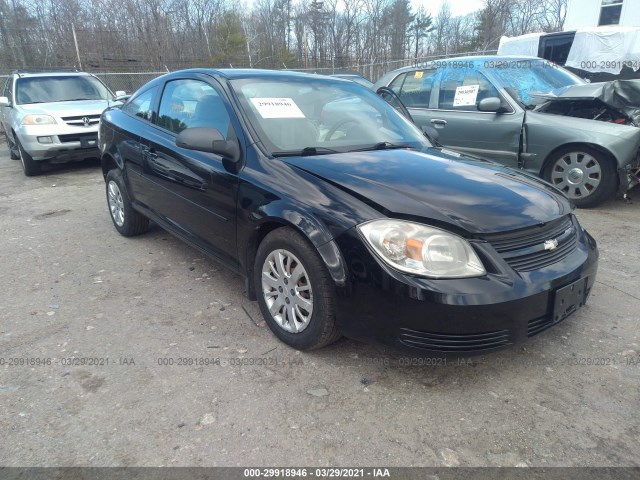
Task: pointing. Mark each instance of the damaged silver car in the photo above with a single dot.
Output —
(528, 113)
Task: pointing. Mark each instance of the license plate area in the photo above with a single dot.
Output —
(569, 299)
(89, 142)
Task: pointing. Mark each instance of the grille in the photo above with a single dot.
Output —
(78, 137)
(524, 250)
(441, 342)
(538, 325)
(78, 121)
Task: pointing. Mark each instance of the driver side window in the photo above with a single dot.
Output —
(188, 103)
(462, 89)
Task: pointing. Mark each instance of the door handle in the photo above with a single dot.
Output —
(150, 153)
(438, 121)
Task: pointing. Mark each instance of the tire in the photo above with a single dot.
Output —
(14, 154)
(127, 221)
(585, 175)
(309, 300)
(29, 166)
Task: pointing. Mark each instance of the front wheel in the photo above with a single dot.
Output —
(585, 175)
(29, 166)
(14, 153)
(295, 291)
(126, 220)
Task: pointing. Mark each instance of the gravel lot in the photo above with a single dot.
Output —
(72, 287)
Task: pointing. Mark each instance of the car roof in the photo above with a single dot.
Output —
(346, 75)
(50, 74)
(237, 73)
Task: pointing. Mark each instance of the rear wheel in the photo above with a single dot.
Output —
(29, 166)
(127, 221)
(585, 175)
(295, 291)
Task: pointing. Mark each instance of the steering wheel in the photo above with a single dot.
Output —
(337, 125)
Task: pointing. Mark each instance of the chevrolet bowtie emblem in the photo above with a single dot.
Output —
(550, 244)
(86, 121)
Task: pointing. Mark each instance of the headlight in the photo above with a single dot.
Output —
(38, 120)
(422, 250)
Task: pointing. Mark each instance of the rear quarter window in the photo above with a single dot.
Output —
(414, 88)
(141, 105)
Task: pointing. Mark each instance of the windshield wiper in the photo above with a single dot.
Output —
(306, 151)
(380, 146)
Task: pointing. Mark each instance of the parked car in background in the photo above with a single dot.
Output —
(53, 116)
(503, 108)
(344, 226)
(355, 78)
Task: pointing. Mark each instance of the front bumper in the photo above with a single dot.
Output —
(457, 316)
(59, 143)
(629, 175)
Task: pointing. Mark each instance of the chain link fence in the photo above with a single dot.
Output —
(373, 71)
(131, 81)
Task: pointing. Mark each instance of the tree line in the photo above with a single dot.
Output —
(142, 35)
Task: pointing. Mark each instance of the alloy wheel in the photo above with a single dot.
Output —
(287, 291)
(116, 205)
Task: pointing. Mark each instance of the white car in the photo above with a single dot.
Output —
(53, 116)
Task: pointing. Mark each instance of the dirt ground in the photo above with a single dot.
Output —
(123, 352)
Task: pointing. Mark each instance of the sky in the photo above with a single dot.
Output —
(458, 7)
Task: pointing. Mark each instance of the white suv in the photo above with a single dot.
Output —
(53, 116)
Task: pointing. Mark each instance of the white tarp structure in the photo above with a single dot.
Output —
(597, 49)
(522, 45)
(605, 49)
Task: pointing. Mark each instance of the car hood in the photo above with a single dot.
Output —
(68, 109)
(470, 194)
(621, 95)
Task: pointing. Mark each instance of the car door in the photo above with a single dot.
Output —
(193, 191)
(137, 122)
(447, 99)
(462, 126)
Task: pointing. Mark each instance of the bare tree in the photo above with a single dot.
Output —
(321, 34)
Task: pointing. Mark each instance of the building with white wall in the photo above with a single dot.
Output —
(594, 13)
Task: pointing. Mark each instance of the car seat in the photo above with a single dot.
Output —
(211, 112)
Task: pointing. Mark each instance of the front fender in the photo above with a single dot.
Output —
(547, 132)
(254, 225)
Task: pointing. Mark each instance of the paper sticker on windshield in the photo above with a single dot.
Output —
(418, 75)
(277, 108)
(466, 96)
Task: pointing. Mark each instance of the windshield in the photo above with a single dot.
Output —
(314, 116)
(60, 89)
(539, 77)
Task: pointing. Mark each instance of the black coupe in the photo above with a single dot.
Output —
(341, 215)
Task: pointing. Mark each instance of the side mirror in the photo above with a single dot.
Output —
(4, 102)
(491, 104)
(121, 96)
(207, 139)
(432, 134)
